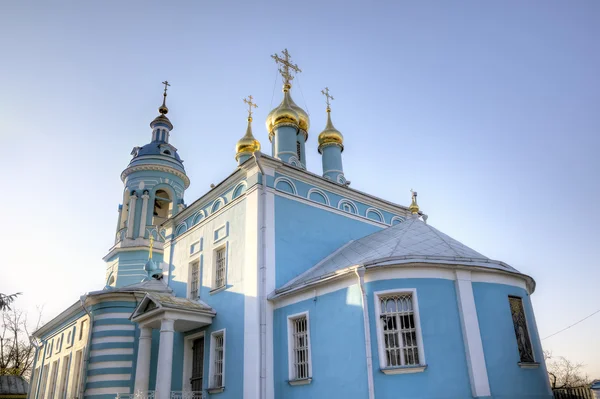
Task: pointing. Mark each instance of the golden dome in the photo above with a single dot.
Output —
(286, 112)
(304, 122)
(330, 135)
(247, 144)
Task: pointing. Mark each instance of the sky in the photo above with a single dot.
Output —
(490, 110)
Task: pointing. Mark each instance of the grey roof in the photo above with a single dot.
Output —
(13, 385)
(410, 241)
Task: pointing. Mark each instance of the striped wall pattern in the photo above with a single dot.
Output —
(113, 349)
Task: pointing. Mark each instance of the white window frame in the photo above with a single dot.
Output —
(290, 333)
(216, 288)
(380, 341)
(64, 377)
(211, 365)
(53, 377)
(190, 277)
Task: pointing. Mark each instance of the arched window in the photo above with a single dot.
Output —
(163, 205)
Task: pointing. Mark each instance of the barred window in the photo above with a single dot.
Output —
(220, 263)
(194, 279)
(218, 359)
(399, 330)
(299, 348)
(298, 150)
(521, 330)
(300, 341)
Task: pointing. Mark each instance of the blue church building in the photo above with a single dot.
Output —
(283, 283)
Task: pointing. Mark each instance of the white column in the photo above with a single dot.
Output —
(165, 360)
(143, 215)
(142, 370)
(131, 216)
(480, 385)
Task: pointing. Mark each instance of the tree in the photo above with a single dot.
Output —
(563, 373)
(16, 350)
(6, 300)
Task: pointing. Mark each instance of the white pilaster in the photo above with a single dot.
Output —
(131, 216)
(142, 231)
(165, 360)
(142, 371)
(478, 376)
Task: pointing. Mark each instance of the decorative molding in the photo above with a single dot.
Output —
(302, 381)
(377, 212)
(220, 200)
(320, 192)
(529, 365)
(400, 219)
(288, 181)
(352, 205)
(243, 185)
(159, 168)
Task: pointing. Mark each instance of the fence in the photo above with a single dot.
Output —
(573, 393)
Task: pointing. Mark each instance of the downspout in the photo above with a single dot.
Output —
(86, 358)
(33, 342)
(262, 284)
(360, 273)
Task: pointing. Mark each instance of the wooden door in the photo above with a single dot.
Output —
(197, 364)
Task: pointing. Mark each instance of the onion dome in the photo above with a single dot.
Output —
(284, 113)
(247, 144)
(150, 266)
(304, 121)
(330, 136)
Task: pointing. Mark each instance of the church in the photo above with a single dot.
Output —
(284, 283)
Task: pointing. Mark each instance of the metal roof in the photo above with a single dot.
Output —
(410, 241)
(11, 385)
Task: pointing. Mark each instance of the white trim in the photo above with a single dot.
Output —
(114, 351)
(416, 316)
(212, 358)
(104, 365)
(321, 192)
(217, 248)
(496, 278)
(188, 343)
(403, 370)
(399, 218)
(197, 259)
(287, 180)
(290, 327)
(352, 205)
(242, 183)
(106, 391)
(178, 228)
(104, 340)
(115, 315)
(114, 327)
(469, 322)
(377, 212)
(269, 264)
(200, 213)
(215, 202)
(109, 377)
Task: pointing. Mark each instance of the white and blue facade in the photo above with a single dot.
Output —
(281, 283)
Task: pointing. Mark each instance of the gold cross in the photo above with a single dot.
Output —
(151, 246)
(286, 65)
(250, 105)
(166, 83)
(328, 97)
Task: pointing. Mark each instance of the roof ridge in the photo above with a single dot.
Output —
(401, 237)
(437, 233)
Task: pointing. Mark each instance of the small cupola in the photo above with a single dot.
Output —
(247, 145)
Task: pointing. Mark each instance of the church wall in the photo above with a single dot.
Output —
(224, 227)
(111, 367)
(446, 375)
(337, 347)
(128, 266)
(507, 379)
(305, 234)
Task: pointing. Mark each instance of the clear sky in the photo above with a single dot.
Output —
(490, 110)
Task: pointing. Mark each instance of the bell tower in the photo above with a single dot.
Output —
(155, 182)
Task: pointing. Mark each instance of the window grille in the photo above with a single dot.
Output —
(219, 353)
(521, 331)
(300, 349)
(195, 280)
(399, 330)
(220, 267)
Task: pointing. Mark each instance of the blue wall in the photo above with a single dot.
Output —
(337, 343)
(446, 375)
(304, 235)
(507, 379)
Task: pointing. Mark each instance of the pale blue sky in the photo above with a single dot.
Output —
(489, 110)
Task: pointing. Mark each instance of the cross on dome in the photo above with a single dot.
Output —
(163, 108)
(250, 105)
(286, 66)
(328, 97)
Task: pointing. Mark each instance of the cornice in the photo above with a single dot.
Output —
(160, 168)
(336, 188)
